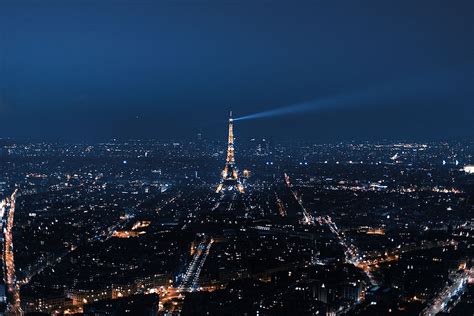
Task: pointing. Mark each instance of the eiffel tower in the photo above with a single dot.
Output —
(230, 175)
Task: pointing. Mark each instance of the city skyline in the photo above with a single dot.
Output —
(236, 158)
(336, 227)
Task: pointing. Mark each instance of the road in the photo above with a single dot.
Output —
(307, 217)
(190, 280)
(9, 262)
(350, 251)
(456, 286)
(394, 254)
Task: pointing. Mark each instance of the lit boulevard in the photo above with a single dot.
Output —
(8, 210)
(190, 279)
(458, 282)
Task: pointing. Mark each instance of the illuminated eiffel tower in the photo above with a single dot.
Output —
(230, 175)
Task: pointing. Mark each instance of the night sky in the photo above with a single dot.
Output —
(95, 70)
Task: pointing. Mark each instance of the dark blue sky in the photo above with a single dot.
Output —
(92, 70)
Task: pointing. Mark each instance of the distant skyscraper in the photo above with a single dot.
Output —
(230, 175)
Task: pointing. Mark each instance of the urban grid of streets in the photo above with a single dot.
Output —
(190, 276)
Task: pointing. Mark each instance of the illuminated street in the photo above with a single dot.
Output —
(8, 211)
(190, 279)
(458, 283)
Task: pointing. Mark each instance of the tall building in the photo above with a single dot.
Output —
(230, 175)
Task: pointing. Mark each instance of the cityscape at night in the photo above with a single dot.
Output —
(187, 158)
